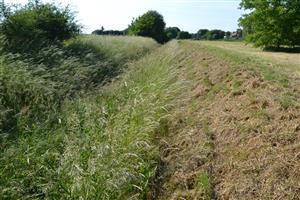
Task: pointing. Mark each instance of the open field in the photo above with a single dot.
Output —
(241, 47)
(184, 120)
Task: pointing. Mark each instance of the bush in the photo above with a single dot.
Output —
(151, 24)
(215, 35)
(36, 25)
(109, 32)
(202, 34)
(172, 32)
(183, 35)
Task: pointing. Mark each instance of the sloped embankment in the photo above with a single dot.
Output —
(99, 145)
(57, 131)
(235, 133)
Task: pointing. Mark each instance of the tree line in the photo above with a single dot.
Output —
(152, 24)
(268, 23)
(108, 32)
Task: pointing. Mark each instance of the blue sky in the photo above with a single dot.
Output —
(188, 15)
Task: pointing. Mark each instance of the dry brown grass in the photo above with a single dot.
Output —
(235, 134)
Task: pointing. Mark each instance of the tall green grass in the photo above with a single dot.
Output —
(120, 48)
(100, 145)
(33, 86)
(23, 95)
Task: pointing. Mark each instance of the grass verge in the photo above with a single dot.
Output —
(101, 146)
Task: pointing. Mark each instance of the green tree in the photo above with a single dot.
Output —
(202, 33)
(183, 35)
(215, 34)
(151, 24)
(172, 32)
(36, 25)
(271, 23)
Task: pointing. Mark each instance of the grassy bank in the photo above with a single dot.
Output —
(237, 124)
(34, 86)
(120, 48)
(99, 146)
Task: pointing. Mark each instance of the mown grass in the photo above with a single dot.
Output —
(279, 57)
(274, 72)
(97, 146)
(273, 88)
(219, 122)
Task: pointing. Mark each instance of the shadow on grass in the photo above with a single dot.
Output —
(283, 49)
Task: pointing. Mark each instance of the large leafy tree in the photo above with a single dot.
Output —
(35, 25)
(151, 24)
(271, 23)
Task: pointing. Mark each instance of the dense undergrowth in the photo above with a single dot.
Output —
(43, 106)
(35, 85)
(66, 135)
